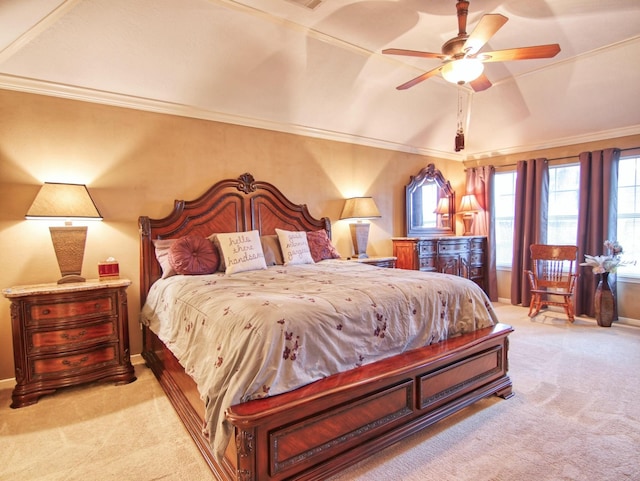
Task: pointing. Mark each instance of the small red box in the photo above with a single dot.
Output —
(108, 270)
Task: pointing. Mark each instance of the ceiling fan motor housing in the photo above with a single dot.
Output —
(453, 47)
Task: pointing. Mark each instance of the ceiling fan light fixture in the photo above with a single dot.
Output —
(462, 70)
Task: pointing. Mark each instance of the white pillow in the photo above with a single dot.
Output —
(295, 247)
(242, 251)
(162, 247)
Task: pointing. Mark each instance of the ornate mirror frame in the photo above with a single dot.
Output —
(413, 201)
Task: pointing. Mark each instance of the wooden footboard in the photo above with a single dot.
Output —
(318, 430)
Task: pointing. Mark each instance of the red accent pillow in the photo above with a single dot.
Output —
(320, 246)
(193, 255)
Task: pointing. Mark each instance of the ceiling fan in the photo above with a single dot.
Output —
(461, 56)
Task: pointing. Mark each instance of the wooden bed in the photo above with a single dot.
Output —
(320, 429)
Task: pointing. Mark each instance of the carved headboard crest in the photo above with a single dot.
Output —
(246, 183)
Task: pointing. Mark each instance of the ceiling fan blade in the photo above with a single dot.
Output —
(480, 84)
(487, 27)
(413, 53)
(522, 53)
(419, 78)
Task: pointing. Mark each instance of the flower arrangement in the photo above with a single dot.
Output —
(609, 262)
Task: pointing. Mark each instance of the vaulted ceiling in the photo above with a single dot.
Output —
(315, 67)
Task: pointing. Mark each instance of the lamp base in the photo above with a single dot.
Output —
(360, 237)
(71, 278)
(68, 242)
(467, 221)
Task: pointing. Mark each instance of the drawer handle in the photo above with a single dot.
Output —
(46, 311)
(81, 361)
(80, 335)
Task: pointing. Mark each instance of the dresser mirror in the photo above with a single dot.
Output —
(430, 204)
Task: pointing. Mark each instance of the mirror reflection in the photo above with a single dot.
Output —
(430, 202)
(425, 202)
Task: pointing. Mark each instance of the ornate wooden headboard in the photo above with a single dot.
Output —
(231, 205)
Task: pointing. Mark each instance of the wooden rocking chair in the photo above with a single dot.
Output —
(552, 278)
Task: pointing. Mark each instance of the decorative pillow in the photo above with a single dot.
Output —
(295, 248)
(271, 250)
(242, 251)
(193, 255)
(162, 247)
(320, 246)
(222, 266)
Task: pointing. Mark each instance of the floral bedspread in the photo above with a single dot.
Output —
(265, 332)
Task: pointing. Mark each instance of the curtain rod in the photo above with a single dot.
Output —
(560, 158)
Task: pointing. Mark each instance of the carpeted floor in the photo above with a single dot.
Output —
(575, 416)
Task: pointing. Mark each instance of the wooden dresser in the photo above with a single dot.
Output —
(460, 256)
(67, 334)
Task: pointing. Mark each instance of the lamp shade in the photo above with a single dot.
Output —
(443, 206)
(469, 203)
(360, 208)
(462, 70)
(63, 201)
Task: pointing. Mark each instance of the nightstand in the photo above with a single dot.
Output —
(68, 334)
(389, 262)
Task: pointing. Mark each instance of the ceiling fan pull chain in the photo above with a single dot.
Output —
(459, 142)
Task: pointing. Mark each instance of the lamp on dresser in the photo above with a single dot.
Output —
(56, 201)
(442, 210)
(360, 208)
(468, 208)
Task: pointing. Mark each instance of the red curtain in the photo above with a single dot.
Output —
(530, 222)
(597, 218)
(480, 181)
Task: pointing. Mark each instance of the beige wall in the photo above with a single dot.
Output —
(136, 163)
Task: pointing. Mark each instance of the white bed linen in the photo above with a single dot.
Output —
(265, 332)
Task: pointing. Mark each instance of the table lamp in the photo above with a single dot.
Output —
(66, 202)
(468, 207)
(360, 208)
(442, 209)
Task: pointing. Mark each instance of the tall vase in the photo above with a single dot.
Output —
(605, 302)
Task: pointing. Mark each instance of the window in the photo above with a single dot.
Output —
(563, 202)
(562, 221)
(505, 201)
(629, 212)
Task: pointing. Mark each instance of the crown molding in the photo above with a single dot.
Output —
(71, 92)
(561, 142)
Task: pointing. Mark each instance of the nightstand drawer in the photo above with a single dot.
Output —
(75, 363)
(98, 306)
(388, 262)
(76, 337)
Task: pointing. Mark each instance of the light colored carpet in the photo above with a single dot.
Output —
(575, 416)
